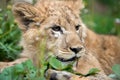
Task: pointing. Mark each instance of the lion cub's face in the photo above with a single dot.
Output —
(58, 22)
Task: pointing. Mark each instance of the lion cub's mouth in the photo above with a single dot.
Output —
(67, 60)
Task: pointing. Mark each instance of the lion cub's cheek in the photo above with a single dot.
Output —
(31, 36)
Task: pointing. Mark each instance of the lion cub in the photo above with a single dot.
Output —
(66, 37)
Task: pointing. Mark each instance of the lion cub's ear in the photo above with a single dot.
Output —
(25, 14)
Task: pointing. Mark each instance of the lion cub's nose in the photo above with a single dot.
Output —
(76, 49)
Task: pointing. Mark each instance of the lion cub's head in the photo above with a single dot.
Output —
(58, 20)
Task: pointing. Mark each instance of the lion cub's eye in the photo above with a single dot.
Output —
(77, 27)
(56, 28)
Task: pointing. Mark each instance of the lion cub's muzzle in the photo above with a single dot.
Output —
(77, 54)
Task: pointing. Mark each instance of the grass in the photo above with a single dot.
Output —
(9, 37)
(27, 71)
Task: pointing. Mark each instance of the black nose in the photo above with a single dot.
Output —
(76, 50)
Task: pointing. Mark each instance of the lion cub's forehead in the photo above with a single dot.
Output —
(59, 13)
(56, 9)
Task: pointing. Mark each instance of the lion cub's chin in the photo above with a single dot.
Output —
(73, 61)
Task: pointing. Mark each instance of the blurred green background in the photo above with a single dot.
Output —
(102, 16)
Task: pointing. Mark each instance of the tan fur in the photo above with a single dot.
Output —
(97, 50)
